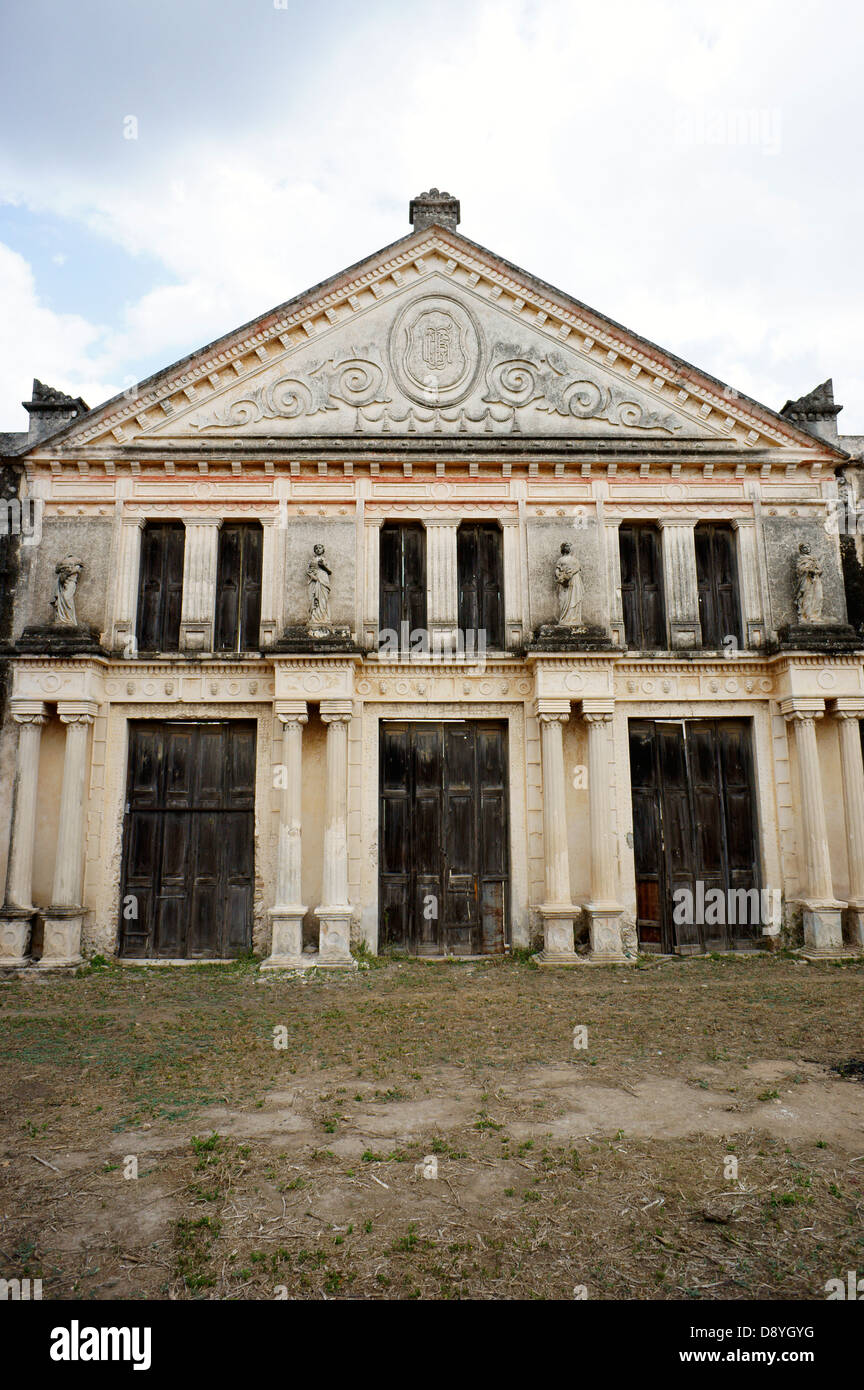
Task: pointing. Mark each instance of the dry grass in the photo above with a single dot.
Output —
(263, 1169)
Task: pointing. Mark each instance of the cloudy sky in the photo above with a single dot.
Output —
(691, 169)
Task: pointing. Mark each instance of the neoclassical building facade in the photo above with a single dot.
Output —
(437, 612)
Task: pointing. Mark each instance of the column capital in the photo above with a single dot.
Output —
(848, 707)
(802, 708)
(132, 521)
(685, 522)
(337, 711)
(291, 711)
(192, 520)
(548, 710)
(29, 711)
(597, 710)
(77, 711)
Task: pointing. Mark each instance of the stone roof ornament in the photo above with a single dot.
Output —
(816, 411)
(434, 207)
(51, 410)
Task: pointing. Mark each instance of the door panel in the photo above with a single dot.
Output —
(238, 586)
(160, 587)
(694, 828)
(480, 572)
(642, 587)
(443, 844)
(717, 580)
(402, 579)
(188, 860)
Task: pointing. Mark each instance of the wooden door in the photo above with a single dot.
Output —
(238, 586)
(160, 586)
(402, 581)
(480, 571)
(642, 587)
(188, 845)
(444, 840)
(717, 581)
(694, 828)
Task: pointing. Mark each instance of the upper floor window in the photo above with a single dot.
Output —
(160, 589)
(642, 587)
(402, 584)
(238, 587)
(717, 580)
(480, 568)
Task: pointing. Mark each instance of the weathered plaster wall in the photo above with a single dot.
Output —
(544, 539)
(87, 537)
(338, 537)
(782, 537)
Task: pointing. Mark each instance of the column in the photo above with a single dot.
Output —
(286, 916)
(199, 584)
(514, 616)
(372, 597)
(557, 911)
(604, 911)
(271, 535)
(613, 580)
(849, 712)
(679, 578)
(334, 917)
(751, 588)
(442, 598)
(126, 611)
(64, 918)
(823, 933)
(16, 915)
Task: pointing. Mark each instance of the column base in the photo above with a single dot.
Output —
(15, 927)
(823, 926)
(558, 936)
(286, 949)
(853, 925)
(62, 939)
(334, 939)
(604, 931)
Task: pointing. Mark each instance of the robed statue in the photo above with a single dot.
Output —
(65, 584)
(571, 591)
(808, 586)
(318, 586)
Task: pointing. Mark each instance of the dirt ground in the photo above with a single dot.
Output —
(282, 1128)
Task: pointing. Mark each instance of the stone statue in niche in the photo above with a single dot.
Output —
(808, 586)
(65, 585)
(318, 575)
(571, 591)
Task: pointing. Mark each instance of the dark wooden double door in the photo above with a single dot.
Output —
(444, 838)
(694, 822)
(188, 844)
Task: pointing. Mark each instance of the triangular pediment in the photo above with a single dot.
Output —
(433, 335)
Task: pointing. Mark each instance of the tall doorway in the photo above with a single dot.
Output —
(694, 833)
(188, 840)
(444, 863)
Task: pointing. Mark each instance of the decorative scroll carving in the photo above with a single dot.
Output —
(357, 379)
(519, 378)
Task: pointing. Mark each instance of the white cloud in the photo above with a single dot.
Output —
(64, 350)
(558, 123)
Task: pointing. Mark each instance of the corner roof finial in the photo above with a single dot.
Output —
(434, 206)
